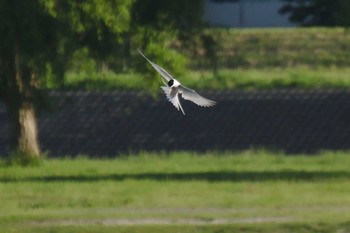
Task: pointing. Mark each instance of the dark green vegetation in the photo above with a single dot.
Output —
(318, 12)
(252, 191)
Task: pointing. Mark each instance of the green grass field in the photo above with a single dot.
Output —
(251, 191)
(243, 79)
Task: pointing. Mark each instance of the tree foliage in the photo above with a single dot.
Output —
(182, 15)
(318, 12)
(47, 32)
(156, 22)
(40, 37)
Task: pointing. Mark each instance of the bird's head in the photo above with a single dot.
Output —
(171, 82)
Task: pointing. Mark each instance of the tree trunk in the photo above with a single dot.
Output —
(21, 111)
(23, 128)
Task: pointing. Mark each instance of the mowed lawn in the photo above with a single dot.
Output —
(250, 191)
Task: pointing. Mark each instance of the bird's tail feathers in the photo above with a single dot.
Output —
(175, 100)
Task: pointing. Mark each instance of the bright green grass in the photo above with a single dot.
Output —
(247, 79)
(272, 78)
(103, 81)
(290, 193)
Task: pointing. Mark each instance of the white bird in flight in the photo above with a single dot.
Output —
(173, 87)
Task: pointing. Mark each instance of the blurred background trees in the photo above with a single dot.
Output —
(38, 37)
(42, 39)
(318, 12)
(156, 27)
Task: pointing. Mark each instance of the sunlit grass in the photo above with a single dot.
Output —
(103, 81)
(304, 190)
(246, 79)
(147, 162)
(137, 180)
(273, 78)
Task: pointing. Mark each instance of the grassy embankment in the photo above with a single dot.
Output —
(253, 59)
(252, 191)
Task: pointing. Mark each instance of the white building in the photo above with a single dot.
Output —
(246, 14)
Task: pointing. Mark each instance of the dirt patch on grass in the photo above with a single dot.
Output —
(162, 221)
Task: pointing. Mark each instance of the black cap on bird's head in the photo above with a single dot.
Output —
(171, 82)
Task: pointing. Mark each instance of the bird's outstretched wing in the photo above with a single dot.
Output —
(192, 95)
(173, 97)
(172, 94)
(159, 69)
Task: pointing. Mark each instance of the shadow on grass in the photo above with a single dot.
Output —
(219, 176)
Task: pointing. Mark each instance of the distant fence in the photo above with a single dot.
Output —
(110, 123)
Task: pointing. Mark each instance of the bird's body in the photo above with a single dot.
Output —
(173, 88)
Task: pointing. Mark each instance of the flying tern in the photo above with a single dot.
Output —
(173, 88)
